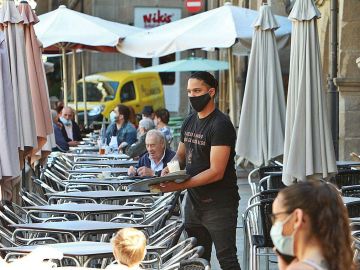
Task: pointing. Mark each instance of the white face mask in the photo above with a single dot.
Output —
(66, 122)
(112, 117)
(284, 244)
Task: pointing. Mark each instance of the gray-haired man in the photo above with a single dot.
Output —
(156, 158)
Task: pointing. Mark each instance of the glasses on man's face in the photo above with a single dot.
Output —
(274, 215)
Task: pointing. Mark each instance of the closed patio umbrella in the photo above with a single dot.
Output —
(9, 155)
(37, 79)
(308, 148)
(11, 24)
(262, 119)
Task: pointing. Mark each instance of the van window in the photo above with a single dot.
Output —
(95, 91)
(127, 92)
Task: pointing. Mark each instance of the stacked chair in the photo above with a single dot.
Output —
(265, 183)
(161, 215)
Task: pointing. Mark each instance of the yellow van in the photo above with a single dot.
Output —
(108, 89)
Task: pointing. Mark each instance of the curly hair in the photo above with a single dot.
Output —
(329, 220)
(129, 246)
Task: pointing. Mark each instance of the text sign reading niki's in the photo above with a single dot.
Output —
(148, 17)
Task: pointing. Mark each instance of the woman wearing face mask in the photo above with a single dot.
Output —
(121, 133)
(310, 223)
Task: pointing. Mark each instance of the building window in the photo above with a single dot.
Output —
(142, 62)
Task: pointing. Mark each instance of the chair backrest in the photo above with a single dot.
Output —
(266, 224)
(194, 264)
(268, 194)
(351, 191)
(272, 168)
(353, 209)
(64, 163)
(5, 238)
(262, 195)
(32, 199)
(169, 235)
(271, 182)
(169, 256)
(15, 212)
(193, 253)
(53, 180)
(44, 187)
(346, 178)
(156, 219)
(356, 246)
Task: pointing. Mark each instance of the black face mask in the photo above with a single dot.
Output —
(198, 103)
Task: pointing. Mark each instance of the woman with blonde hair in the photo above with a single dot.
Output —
(129, 248)
(311, 225)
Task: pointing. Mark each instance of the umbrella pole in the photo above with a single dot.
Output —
(84, 88)
(74, 84)
(231, 83)
(64, 76)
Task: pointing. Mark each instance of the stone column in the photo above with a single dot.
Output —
(348, 81)
(349, 115)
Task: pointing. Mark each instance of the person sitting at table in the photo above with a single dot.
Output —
(70, 129)
(139, 148)
(129, 248)
(61, 144)
(147, 112)
(121, 133)
(161, 121)
(311, 225)
(156, 158)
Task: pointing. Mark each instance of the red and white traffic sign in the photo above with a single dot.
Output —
(193, 5)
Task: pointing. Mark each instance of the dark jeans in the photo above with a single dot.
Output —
(216, 225)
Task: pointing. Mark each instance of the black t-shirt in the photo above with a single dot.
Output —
(199, 135)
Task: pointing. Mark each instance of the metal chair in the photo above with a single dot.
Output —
(194, 264)
(356, 246)
(154, 219)
(257, 226)
(351, 191)
(353, 209)
(271, 182)
(262, 195)
(346, 178)
(259, 173)
(167, 236)
(263, 171)
(181, 251)
(31, 199)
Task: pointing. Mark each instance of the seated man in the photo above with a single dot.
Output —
(139, 148)
(61, 143)
(156, 158)
(70, 129)
(148, 112)
(121, 133)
